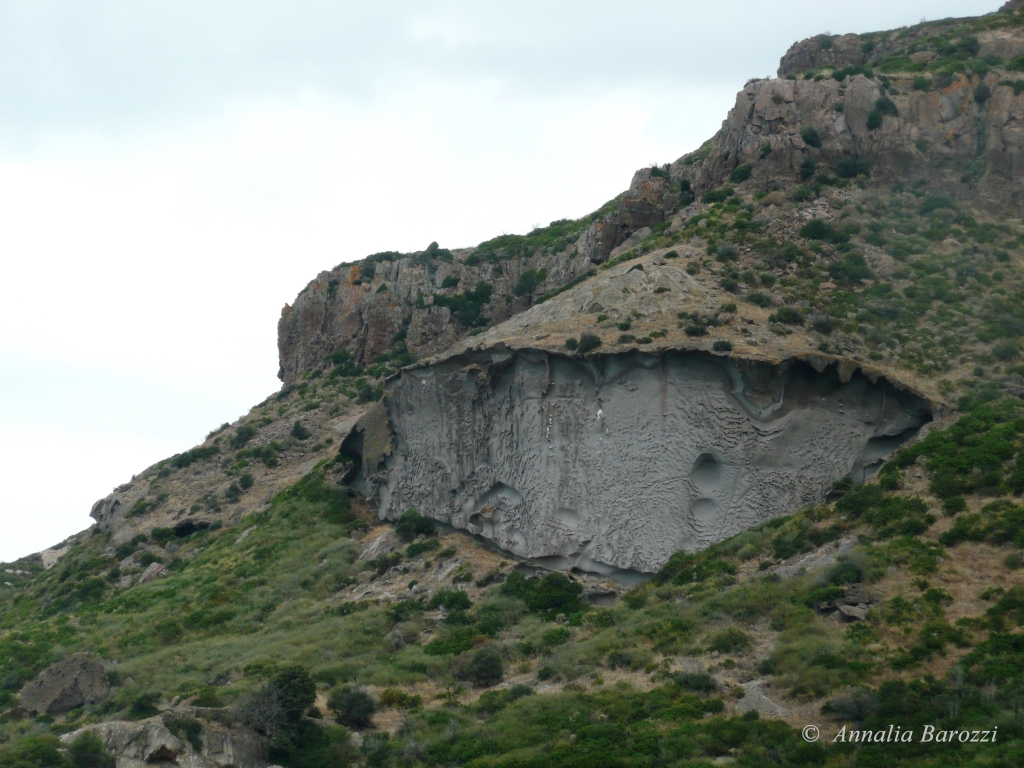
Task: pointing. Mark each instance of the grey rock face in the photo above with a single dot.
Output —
(79, 679)
(611, 464)
(149, 742)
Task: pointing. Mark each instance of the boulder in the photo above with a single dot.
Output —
(79, 679)
(152, 573)
(854, 612)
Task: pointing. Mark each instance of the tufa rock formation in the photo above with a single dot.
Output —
(611, 463)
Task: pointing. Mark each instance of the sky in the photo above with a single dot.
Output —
(173, 173)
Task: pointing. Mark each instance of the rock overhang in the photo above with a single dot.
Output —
(609, 462)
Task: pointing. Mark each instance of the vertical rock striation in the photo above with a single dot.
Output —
(611, 464)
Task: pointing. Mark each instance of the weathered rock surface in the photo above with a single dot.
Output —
(153, 572)
(149, 742)
(941, 135)
(341, 311)
(610, 464)
(79, 679)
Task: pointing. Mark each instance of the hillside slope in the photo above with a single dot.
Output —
(847, 252)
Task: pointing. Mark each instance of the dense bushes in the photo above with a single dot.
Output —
(549, 596)
(412, 524)
(484, 668)
(183, 460)
(352, 706)
(529, 280)
(468, 305)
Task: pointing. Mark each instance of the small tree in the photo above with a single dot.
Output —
(262, 712)
(295, 689)
(352, 706)
(484, 668)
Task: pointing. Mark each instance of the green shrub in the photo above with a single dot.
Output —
(245, 482)
(740, 173)
(982, 93)
(352, 706)
(874, 120)
(529, 280)
(419, 547)
(412, 524)
(208, 698)
(548, 597)
(807, 170)
(183, 460)
(484, 668)
(588, 342)
(818, 229)
(391, 697)
(467, 306)
(758, 299)
(722, 346)
(1005, 350)
(167, 631)
(787, 315)
(451, 281)
(33, 751)
(729, 640)
(299, 432)
(450, 600)
(852, 267)
(315, 489)
(243, 435)
(810, 136)
(695, 681)
(296, 691)
(851, 166)
(1016, 64)
(162, 536)
(717, 195)
(88, 751)
(823, 324)
(886, 106)
(144, 706)
(571, 344)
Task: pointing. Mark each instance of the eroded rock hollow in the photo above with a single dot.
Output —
(611, 464)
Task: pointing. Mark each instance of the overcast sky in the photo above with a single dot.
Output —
(172, 173)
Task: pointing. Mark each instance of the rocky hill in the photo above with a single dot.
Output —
(737, 453)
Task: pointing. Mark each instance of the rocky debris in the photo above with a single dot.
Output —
(152, 573)
(149, 742)
(79, 679)
(755, 699)
(821, 558)
(51, 556)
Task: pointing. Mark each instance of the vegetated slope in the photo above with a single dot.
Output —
(898, 601)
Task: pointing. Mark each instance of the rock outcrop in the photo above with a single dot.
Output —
(150, 742)
(344, 309)
(944, 136)
(80, 679)
(611, 463)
